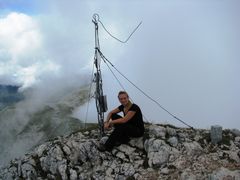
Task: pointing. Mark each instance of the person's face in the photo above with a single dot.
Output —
(123, 98)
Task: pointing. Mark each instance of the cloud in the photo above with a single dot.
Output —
(23, 60)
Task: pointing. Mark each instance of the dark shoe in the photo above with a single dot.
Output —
(118, 143)
(102, 148)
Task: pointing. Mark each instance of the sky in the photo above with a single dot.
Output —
(185, 54)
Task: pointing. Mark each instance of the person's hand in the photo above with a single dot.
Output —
(106, 125)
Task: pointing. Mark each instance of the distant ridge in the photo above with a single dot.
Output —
(9, 95)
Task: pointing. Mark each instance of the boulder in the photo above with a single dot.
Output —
(159, 158)
(153, 145)
(157, 131)
(236, 132)
(137, 142)
(193, 148)
(173, 141)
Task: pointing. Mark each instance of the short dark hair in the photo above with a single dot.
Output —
(122, 92)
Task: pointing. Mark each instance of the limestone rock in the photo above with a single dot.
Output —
(127, 169)
(171, 131)
(121, 155)
(164, 153)
(126, 149)
(224, 173)
(158, 158)
(164, 171)
(173, 141)
(193, 148)
(153, 145)
(73, 175)
(234, 155)
(237, 139)
(187, 175)
(236, 132)
(137, 142)
(157, 131)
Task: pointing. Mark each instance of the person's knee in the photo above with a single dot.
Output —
(115, 116)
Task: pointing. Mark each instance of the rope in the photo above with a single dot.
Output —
(149, 97)
(114, 76)
(96, 17)
(89, 97)
(119, 82)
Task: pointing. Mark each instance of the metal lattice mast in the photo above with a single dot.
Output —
(99, 97)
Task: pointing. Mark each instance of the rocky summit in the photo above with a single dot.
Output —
(164, 152)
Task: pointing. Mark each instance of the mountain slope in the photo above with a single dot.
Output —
(22, 129)
(165, 152)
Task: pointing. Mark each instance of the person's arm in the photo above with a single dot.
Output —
(125, 119)
(114, 111)
(106, 123)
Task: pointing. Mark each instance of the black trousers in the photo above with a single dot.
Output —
(122, 133)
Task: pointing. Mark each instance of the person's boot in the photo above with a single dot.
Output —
(118, 143)
(102, 148)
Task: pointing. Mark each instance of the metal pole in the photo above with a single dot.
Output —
(98, 80)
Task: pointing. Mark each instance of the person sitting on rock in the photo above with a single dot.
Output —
(131, 125)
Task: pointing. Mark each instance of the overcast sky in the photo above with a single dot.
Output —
(185, 54)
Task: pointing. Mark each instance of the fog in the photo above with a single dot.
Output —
(185, 54)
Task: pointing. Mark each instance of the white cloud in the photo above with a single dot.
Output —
(22, 56)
